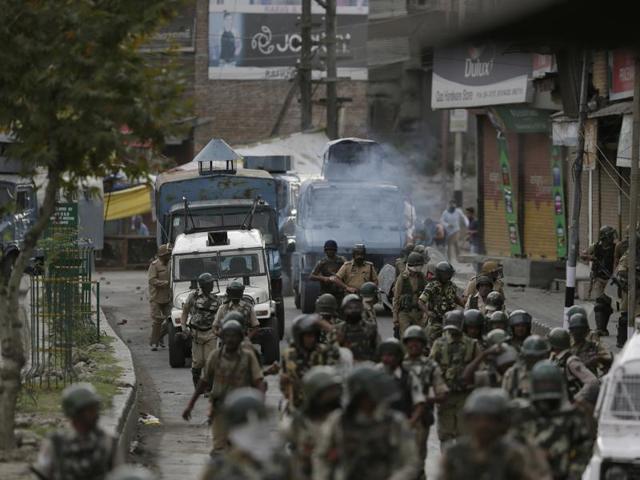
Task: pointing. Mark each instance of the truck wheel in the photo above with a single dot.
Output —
(280, 316)
(176, 348)
(271, 343)
(309, 292)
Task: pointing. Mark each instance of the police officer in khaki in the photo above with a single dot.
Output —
(202, 305)
(354, 273)
(159, 296)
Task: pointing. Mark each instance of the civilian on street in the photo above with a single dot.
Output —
(452, 218)
(473, 230)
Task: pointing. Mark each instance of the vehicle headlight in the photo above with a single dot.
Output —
(615, 472)
(180, 299)
(262, 310)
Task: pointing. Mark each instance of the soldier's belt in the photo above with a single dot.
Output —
(201, 329)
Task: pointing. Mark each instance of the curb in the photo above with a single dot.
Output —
(121, 418)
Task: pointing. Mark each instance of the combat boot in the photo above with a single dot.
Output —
(622, 330)
(602, 312)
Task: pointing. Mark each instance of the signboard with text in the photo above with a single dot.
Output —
(479, 75)
(506, 187)
(557, 191)
(256, 41)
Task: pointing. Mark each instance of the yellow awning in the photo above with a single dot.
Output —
(126, 203)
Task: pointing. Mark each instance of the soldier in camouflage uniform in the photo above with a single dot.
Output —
(202, 307)
(588, 348)
(355, 272)
(326, 269)
(369, 294)
(478, 301)
(578, 379)
(434, 388)
(305, 352)
(491, 269)
(401, 262)
(473, 326)
(487, 452)
(228, 368)
(236, 302)
(453, 352)
(354, 332)
(408, 288)
(601, 256)
(251, 455)
(549, 422)
(439, 297)
(159, 296)
(86, 451)
(520, 326)
(322, 389)
(366, 439)
(488, 369)
(517, 380)
(494, 303)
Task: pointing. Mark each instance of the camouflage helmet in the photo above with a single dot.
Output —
(318, 379)
(415, 259)
(473, 318)
(444, 272)
(408, 248)
(360, 248)
(559, 339)
(578, 320)
(231, 326)
(519, 317)
(352, 297)
(489, 267)
(496, 300)
(305, 323)
(498, 317)
(326, 304)
(369, 290)
(235, 290)
(607, 233)
(535, 346)
(369, 380)
(414, 332)
(235, 316)
(205, 279)
(78, 396)
(419, 249)
(484, 280)
(453, 320)
(547, 382)
(492, 402)
(393, 346)
(243, 405)
(575, 309)
(496, 336)
(508, 357)
(130, 472)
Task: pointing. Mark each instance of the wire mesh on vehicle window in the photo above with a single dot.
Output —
(626, 397)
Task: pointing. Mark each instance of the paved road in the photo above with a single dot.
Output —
(175, 448)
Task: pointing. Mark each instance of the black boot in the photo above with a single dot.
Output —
(622, 330)
(195, 375)
(602, 312)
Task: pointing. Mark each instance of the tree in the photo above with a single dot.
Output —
(76, 93)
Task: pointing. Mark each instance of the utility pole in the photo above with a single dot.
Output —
(457, 167)
(574, 230)
(304, 69)
(633, 201)
(332, 71)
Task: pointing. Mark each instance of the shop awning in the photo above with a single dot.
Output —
(128, 202)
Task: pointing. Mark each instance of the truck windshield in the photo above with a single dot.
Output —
(356, 205)
(227, 264)
(626, 398)
(263, 220)
(355, 153)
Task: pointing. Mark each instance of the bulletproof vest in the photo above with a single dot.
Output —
(454, 358)
(404, 403)
(78, 458)
(366, 449)
(573, 384)
(442, 300)
(234, 375)
(359, 339)
(514, 388)
(602, 265)
(409, 298)
(205, 308)
(243, 307)
(423, 369)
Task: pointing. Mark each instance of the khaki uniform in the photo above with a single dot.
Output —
(517, 380)
(430, 377)
(453, 355)
(203, 309)
(471, 289)
(226, 372)
(602, 267)
(439, 298)
(578, 377)
(378, 448)
(159, 299)
(355, 276)
(593, 347)
(406, 309)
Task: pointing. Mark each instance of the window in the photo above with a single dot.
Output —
(227, 264)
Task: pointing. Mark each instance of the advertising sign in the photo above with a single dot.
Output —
(479, 75)
(524, 119)
(179, 33)
(621, 66)
(557, 191)
(261, 40)
(509, 200)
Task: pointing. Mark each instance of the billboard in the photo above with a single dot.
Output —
(480, 75)
(179, 33)
(260, 39)
(622, 74)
